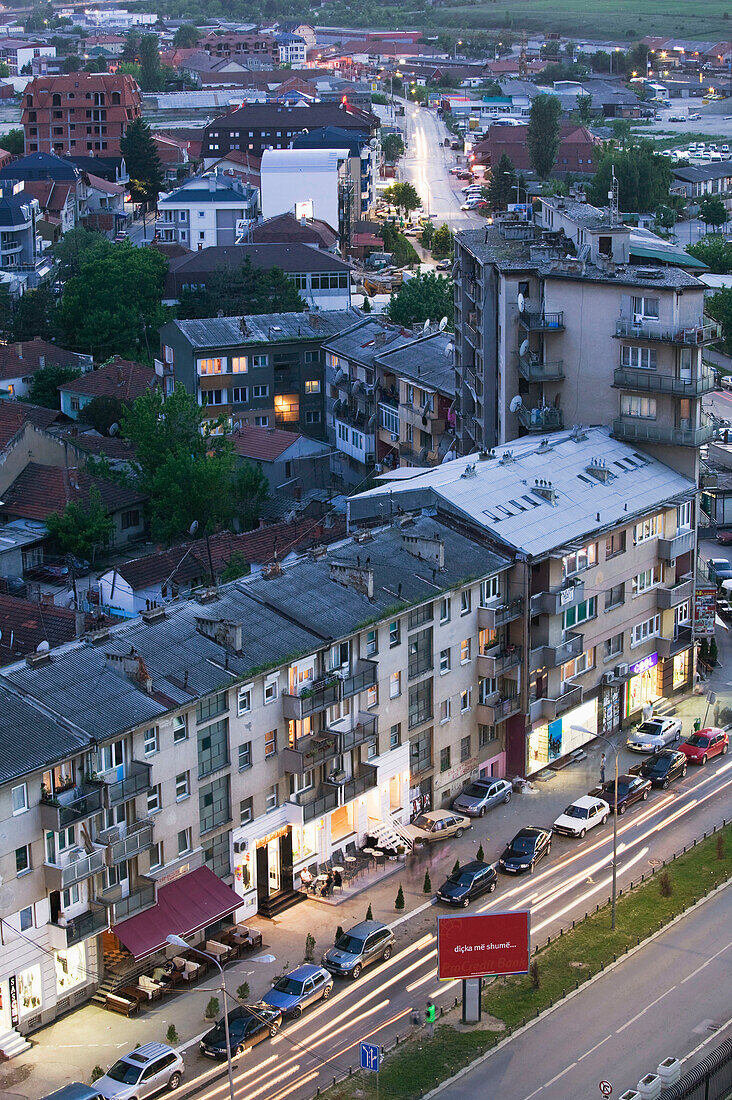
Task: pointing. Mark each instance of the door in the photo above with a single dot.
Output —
(287, 874)
(685, 364)
(262, 874)
(273, 864)
(685, 414)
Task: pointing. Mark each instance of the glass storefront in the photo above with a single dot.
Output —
(681, 669)
(29, 991)
(550, 740)
(644, 685)
(70, 968)
(303, 842)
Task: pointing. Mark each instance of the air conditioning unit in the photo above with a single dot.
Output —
(394, 438)
(608, 677)
(620, 671)
(240, 846)
(377, 467)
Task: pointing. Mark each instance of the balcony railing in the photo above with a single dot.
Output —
(549, 709)
(670, 549)
(498, 708)
(669, 647)
(552, 656)
(496, 661)
(542, 322)
(544, 419)
(317, 801)
(365, 780)
(708, 479)
(644, 431)
(677, 594)
(703, 332)
(77, 929)
(651, 381)
(557, 600)
(79, 865)
(490, 618)
(473, 335)
(120, 908)
(364, 729)
(141, 840)
(362, 677)
(313, 698)
(533, 369)
(136, 780)
(70, 807)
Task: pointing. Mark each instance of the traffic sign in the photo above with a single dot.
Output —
(606, 1088)
(370, 1056)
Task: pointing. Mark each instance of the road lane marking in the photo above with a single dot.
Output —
(704, 965)
(629, 1023)
(560, 1075)
(592, 1050)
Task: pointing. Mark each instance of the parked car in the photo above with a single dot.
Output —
(443, 265)
(705, 744)
(631, 788)
(720, 569)
(80, 566)
(437, 825)
(143, 1072)
(481, 795)
(724, 538)
(121, 236)
(469, 882)
(654, 734)
(56, 574)
(248, 1025)
(525, 850)
(663, 767)
(583, 814)
(14, 586)
(695, 117)
(299, 989)
(359, 947)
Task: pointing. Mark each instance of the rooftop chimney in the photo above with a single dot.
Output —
(20, 350)
(225, 632)
(133, 666)
(426, 548)
(358, 577)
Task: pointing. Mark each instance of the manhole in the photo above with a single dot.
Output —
(654, 862)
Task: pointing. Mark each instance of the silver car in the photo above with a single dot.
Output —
(143, 1072)
(655, 734)
(481, 795)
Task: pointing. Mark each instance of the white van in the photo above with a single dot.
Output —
(726, 382)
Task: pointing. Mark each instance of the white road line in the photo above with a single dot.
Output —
(638, 1015)
(559, 1075)
(705, 964)
(709, 1039)
(592, 1050)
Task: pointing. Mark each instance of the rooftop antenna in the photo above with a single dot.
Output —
(613, 196)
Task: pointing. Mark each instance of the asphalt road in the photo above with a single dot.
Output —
(426, 164)
(673, 999)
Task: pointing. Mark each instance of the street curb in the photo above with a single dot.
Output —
(575, 992)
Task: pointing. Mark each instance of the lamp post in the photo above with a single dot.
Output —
(582, 729)
(458, 43)
(178, 941)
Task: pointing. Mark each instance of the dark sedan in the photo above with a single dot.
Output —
(469, 882)
(248, 1026)
(525, 850)
(631, 788)
(663, 767)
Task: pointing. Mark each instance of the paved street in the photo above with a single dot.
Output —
(426, 164)
(666, 1001)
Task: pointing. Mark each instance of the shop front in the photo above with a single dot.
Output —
(644, 686)
(548, 741)
(21, 999)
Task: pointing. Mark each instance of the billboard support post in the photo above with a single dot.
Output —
(471, 1000)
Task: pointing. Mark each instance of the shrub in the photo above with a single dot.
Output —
(212, 1009)
(172, 1035)
(96, 1073)
(369, 913)
(309, 947)
(427, 884)
(480, 854)
(534, 975)
(399, 903)
(242, 991)
(665, 885)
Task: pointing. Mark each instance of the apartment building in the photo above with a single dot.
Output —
(293, 49)
(22, 261)
(265, 370)
(18, 52)
(311, 183)
(363, 160)
(254, 51)
(596, 611)
(207, 212)
(80, 113)
(244, 735)
(259, 126)
(544, 341)
(390, 397)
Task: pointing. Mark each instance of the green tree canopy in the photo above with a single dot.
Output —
(102, 412)
(403, 196)
(114, 305)
(392, 146)
(712, 211)
(400, 246)
(719, 306)
(713, 251)
(543, 135)
(251, 489)
(34, 314)
(186, 37)
(43, 389)
(502, 182)
(442, 242)
(131, 48)
(584, 109)
(152, 78)
(143, 163)
(130, 68)
(244, 291)
(425, 297)
(82, 529)
(643, 178)
(13, 142)
(78, 247)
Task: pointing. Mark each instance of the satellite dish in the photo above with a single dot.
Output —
(426, 325)
(193, 528)
(524, 347)
(443, 324)
(113, 428)
(516, 404)
(449, 350)
(521, 303)
(43, 647)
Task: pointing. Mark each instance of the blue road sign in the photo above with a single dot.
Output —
(370, 1056)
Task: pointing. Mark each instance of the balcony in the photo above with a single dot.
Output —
(549, 709)
(681, 639)
(491, 618)
(69, 807)
(533, 369)
(137, 840)
(677, 594)
(670, 549)
(364, 780)
(496, 661)
(542, 322)
(708, 479)
(317, 801)
(702, 332)
(650, 381)
(83, 927)
(314, 697)
(645, 431)
(310, 751)
(136, 780)
(137, 900)
(363, 729)
(362, 677)
(552, 656)
(77, 866)
(472, 335)
(557, 600)
(543, 419)
(498, 708)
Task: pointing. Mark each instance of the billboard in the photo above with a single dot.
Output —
(705, 608)
(481, 944)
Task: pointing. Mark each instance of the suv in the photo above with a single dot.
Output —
(143, 1072)
(359, 946)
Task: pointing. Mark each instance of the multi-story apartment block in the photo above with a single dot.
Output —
(293, 49)
(80, 113)
(545, 341)
(22, 261)
(596, 612)
(254, 51)
(259, 126)
(363, 160)
(265, 370)
(17, 53)
(207, 212)
(311, 183)
(390, 398)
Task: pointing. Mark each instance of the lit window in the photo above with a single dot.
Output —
(270, 743)
(465, 651)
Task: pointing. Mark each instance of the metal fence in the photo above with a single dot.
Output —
(710, 1079)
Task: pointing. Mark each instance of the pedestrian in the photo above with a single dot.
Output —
(429, 1016)
(647, 712)
(602, 768)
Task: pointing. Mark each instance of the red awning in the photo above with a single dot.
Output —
(183, 907)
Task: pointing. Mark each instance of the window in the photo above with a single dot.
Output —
(445, 759)
(26, 918)
(466, 700)
(245, 811)
(615, 544)
(445, 609)
(465, 651)
(444, 661)
(66, 838)
(261, 421)
(573, 616)
(395, 685)
(409, 394)
(486, 734)
(180, 728)
(210, 366)
(130, 519)
(420, 703)
(615, 596)
(489, 590)
(395, 634)
(372, 642)
(150, 741)
(642, 407)
(214, 397)
(113, 755)
(213, 747)
(182, 786)
(213, 804)
(612, 647)
(270, 743)
(271, 690)
(465, 601)
(638, 358)
(70, 897)
(649, 528)
(260, 391)
(184, 841)
(644, 308)
(244, 699)
(312, 416)
(649, 628)
(240, 395)
(22, 859)
(260, 361)
(212, 706)
(579, 560)
(395, 736)
(683, 516)
(583, 663)
(312, 356)
(270, 801)
(445, 709)
(464, 749)
(312, 386)
(372, 696)
(245, 756)
(649, 578)
(156, 855)
(153, 799)
(19, 798)
(239, 364)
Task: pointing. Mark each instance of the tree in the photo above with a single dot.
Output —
(403, 196)
(584, 109)
(719, 306)
(131, 48)
(244, 291)
(424, 297)
(96, 65)
(713, 251)
(237, 566)
(392, 147)
(664, 217)
(130, 68)
(543, 134)
(71, 64)
(186, 37)
(82, 529)
(643, 178)
(102, 412)
(427, 235)
(622, 131)
(251, 489)
(43, 389)
(13, 142)
(712, 211)
(399, 245)
(143, 163)
(442, 242)
(33, 314)
(77, 247)
(502, 182)
(151, 78)
(114, 305)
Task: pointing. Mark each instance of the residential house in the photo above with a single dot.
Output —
(79, 113)
(206, 210)
(478, 114)
(293, 49)
(39, 168)
(703, 181)
(21, 550)
(244, 166)
(17, 53)
(292, 463)
(579, 150)
(312, 183)
(26, 625)
(254, 51)
(105, 203)
(21, 360)
(119, 378)
(285, 228)
(57, 204)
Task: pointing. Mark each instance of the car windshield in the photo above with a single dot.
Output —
(424, 822)
(650, 728)
(124, 1072)
(349, 943)
(522, 844)
(476, 790)
(698, 741)
(575, 811)
(655, 765)
(623, 788)
(289, 985)
(461, 880)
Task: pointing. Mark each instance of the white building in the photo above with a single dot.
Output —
(207, 210)
(17, 53)
(293, 49)
(314, 183)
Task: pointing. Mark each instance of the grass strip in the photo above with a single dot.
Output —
(419, 1064)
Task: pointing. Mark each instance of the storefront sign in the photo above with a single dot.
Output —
(263, 841)
(481, 944)
(643, 666)
(13, 993)
(705, 610)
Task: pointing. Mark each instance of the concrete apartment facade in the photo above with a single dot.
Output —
(80, 113)
(207, 212)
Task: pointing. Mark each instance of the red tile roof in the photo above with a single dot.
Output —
(262, 444)
(25, 624)
(52, 197)
(14, 414)
(286, 227)
(41, 490)
(121, 378)
(21, 359)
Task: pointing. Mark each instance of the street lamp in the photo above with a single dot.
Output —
(582, 729)
(178, 941)
(458, 43)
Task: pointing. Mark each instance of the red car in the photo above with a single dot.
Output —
(724, 538)
(706, 743)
